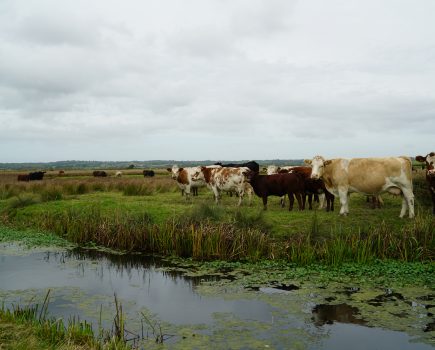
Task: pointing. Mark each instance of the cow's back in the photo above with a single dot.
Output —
(367, 175)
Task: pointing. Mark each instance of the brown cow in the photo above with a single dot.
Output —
(23, 178)
(430, 174)
(278, 185)
(313, 187)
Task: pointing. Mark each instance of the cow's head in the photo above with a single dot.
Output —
(430, 162)
(174, 171)
(318, 164)
(249, 174)
(272, 169)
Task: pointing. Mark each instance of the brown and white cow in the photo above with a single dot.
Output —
(189, 178)
(430, 174)
(370, 176)
(226, 179)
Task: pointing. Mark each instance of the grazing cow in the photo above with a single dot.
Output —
(226, 179)
(370, 176)
(23, 178)
(278, 185)
(148, 173)
(189, 178)
(36, 175)
(430, 174)
(313, 187)
(118, 173)
(61, 173)
(99, 173)
(254, 166)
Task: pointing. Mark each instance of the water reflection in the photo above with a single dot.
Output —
(327, 314)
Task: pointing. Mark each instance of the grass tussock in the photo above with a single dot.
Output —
(42, 331)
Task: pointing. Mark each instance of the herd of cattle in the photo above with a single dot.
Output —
(333, 177)
(324, 178)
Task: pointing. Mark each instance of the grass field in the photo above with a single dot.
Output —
(137, 213)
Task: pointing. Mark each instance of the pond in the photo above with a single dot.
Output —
(214, 312)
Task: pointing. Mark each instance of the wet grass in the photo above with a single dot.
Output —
(150, 215)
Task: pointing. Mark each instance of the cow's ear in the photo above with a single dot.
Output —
(420, 159)
(326, 162)
(168, 169)
(308, 161)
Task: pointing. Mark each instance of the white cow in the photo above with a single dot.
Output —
(118, 174)
(370, 176)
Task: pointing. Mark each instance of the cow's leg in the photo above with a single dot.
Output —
(344, 201)
(291, 199)
(264, 202)
(407, 203)
(329, 202)
(299, 199)
(217, 194)
(187, 189)
(310, 201)
(249, 192)
(282, 201)
(322, 202)
(240, 194)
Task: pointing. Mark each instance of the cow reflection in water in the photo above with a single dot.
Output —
(343, 313)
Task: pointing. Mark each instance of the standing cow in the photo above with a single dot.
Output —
(278, 185)
(226, 179)
(189, 178)
(429, 159)
(370, 176)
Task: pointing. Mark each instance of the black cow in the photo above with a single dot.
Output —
(99, 173)
(278, 185)
(148, 173)
(429, 160)
(36, 175)
(254, 166)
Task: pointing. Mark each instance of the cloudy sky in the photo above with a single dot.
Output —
(215, 79)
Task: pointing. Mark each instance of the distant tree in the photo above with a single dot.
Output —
(131, 166)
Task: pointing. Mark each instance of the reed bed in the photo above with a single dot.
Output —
(208, 237)
(414, 242)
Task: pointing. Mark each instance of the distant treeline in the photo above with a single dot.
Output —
(80, 164)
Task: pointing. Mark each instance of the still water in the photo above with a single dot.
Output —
(193, 313)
